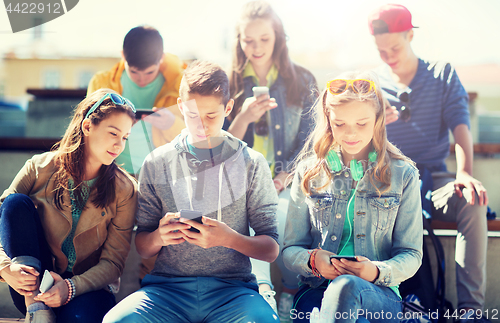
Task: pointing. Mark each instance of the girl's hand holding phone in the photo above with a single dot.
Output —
(57, 294)
(324, 266)
(363, 268)
(254, 108)
(168, 232)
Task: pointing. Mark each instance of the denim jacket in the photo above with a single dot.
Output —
(290, 125)
(387, 229)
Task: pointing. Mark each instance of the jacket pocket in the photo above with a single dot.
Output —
(384, 211)
(320, 209)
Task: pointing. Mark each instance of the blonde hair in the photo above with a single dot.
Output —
(321, 140)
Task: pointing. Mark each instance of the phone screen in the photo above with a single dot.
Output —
(192, 215)
(350, 258)
(140, 112)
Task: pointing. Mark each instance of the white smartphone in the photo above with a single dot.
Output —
(47, 282)
(259, 90)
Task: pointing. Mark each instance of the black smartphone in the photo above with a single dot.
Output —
(350, 258)
(140, 112)
(192, 215)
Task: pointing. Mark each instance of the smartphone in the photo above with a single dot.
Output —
(140, 112)
(259, 90)
(350, 258)
(192, 215)
(47, 282)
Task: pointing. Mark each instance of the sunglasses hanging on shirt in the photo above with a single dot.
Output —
(405, 111)
(261, 127)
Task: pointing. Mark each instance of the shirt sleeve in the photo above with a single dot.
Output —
(22, 183)
(149, 210)
(406, 250)
(262, 200)
(298, 241)
(455, 99)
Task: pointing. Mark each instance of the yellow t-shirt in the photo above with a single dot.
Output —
(264, 144)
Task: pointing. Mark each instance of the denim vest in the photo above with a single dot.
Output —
(290, 124)
(387, 228)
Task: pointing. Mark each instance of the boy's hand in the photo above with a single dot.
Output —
(253, 108)
(57, 294)
(391, 112)
(168, 232)
(162, 119)
(23, 279)
(363, 268)
(212, 233)
(464, 180)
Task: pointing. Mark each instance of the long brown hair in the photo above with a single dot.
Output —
(70, 153)
(288, 71)
(321, 140)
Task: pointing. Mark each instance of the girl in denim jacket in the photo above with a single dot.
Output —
(353, 194)
(276, 125)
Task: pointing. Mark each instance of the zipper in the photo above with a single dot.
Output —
(98, 239)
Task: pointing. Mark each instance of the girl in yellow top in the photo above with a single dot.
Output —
(275, 125)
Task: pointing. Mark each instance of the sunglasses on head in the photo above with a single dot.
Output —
(116, 98)
(360, 86)
(405, 111)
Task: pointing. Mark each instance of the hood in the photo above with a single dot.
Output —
(205, 185)
(231, 150)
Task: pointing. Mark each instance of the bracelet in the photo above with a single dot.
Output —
(71, 290)
(312, 262)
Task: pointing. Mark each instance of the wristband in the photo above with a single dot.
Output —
(71, 290)
(312, 262)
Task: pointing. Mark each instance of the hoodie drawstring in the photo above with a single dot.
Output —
(187, 176)
(219, 206)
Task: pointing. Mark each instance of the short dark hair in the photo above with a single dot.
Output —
(143, 47)
(205, 78)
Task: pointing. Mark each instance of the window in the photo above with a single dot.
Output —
(51, 79)
(84, 79)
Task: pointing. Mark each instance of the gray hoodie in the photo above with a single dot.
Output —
(234, 187)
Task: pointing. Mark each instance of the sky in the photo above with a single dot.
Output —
(463, 32)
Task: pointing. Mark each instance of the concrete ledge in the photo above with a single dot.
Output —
(493, 225)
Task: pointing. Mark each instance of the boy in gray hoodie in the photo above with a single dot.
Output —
(203, 271)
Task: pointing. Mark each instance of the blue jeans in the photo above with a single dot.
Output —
(23, 239)
(193, 299)
(347, 298)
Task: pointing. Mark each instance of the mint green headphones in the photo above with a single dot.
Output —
(333, 161)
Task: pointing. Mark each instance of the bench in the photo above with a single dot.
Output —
(493, 225)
